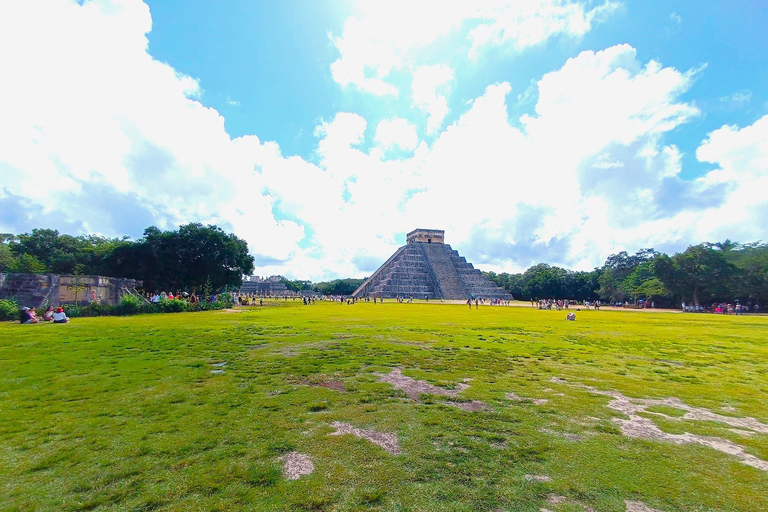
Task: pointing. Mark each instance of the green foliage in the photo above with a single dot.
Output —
(187, 259)
(165, 260)
(296, 286)
(338, 286)
(701, 273)
(7, 258)
(26, 264)
(9, 310)
(131, 305)
(544, 281)
(207, 287)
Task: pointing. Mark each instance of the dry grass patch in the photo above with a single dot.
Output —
(383, 439)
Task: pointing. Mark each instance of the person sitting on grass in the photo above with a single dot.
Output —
(27, 316)
(48, 315)
(59, 317)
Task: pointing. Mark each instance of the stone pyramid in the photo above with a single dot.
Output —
(427, 267)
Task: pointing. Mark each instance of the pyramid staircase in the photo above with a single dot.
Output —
(429, 270)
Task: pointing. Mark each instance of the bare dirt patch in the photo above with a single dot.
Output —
(414, 388)
(538, 478)
(383, 439)
(296, 465)
(517, 398)
(555, 499)
(639, 506)
(567, 435)
(640, 427)
(473, 406)
(232, 310)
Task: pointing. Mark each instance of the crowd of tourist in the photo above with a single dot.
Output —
(192, 298)
(723, 308)
(560, 304)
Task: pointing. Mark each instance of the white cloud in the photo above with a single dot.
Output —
(426, 82)
(99, 136)
(521, 25)
(397, 132)
(584, 176)
(387, 36)
(738, 98)
(104, 138)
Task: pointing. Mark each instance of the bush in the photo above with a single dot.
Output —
(9, 310)
(173, 306)
(72, 310)
(129, 305)
(132, 305)
(226, 300)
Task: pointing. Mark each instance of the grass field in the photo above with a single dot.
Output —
(196, 411)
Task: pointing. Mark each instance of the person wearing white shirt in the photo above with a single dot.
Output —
(59, 317)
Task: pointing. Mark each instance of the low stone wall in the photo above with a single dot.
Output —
(36, 290)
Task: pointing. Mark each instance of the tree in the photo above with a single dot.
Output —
(699, 273)
(185, 259)
(616, 270)
(7, 259)
(27, 264)
(651, 288)
(339, 286)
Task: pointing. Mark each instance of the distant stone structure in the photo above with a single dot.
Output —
(38, 290)
(426, 235)
(428, 267)
(265, 286)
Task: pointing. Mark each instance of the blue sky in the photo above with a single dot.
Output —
(558, 131)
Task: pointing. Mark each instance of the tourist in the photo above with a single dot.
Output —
(27, 316)
(48, 315)
(59, 317)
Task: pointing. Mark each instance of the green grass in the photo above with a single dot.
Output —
(125, 414)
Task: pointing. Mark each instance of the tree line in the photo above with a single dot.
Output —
(335, 287)
(200, 258)
(704, 273)
(191, 258)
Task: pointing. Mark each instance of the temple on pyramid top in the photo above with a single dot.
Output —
(427, 267)
(431, 236)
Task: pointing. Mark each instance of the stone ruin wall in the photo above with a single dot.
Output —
(35, 290)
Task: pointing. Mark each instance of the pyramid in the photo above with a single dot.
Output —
(427, 267)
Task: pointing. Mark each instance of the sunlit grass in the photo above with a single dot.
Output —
(139, 413)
